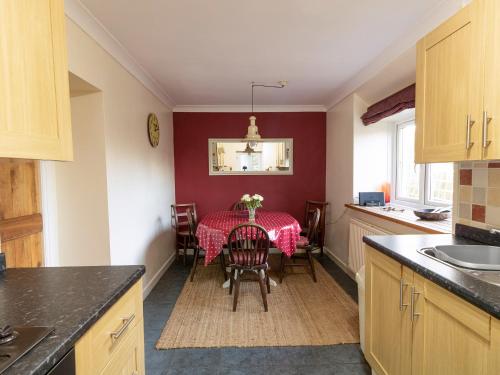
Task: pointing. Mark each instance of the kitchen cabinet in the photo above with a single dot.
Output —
(491, 107)
(386, 326)
(35, 120)
(115, 343)
(450, 336)
(449, 88)
(414, 326)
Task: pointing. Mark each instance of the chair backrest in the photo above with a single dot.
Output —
(179, 215)
(239, 206)
(191, 222)
(311, 205)
(248, 245)
(313, 225)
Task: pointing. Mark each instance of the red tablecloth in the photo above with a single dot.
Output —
(214, 228)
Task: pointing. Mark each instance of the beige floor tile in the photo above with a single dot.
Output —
(479, 195)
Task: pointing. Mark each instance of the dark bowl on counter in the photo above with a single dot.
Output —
(427, 214)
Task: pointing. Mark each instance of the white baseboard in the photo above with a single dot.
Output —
(157, 276)
(344, 267)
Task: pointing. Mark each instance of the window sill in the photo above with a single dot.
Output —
(406, 218)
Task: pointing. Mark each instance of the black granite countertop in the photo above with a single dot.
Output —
(70, 299)
(403, 248)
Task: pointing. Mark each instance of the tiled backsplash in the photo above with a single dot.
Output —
(479, 194)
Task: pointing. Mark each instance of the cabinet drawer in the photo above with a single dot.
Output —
(96, 348)
(128, 358)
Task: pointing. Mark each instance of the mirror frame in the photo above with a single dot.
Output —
(289, 172)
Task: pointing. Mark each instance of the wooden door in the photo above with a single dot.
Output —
(450, 336)
(20, 218)
(35, 119)
(449, 88)
(387, 327)
(491, 115)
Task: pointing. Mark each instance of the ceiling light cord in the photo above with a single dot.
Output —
(280, 85)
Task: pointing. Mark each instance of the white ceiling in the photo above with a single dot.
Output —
(207, 52)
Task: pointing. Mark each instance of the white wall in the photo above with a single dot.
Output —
(339, 175)
(139, 178)
(82, 202)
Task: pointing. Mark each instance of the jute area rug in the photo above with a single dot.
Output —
(301, 312)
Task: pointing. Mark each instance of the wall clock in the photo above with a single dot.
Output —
(153, 130)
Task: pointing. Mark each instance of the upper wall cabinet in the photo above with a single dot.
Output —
(450, 63)
(35, 120)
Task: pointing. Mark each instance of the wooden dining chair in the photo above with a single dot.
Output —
(248, 246)
(310, 206)
(239, 206)
(305, 246)
(180, 223)
(198, 251)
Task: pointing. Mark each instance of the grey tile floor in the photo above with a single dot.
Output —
(334, 359)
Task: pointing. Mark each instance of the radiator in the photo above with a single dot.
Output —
(358, 229)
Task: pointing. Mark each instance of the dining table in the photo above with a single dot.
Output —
(214, 228)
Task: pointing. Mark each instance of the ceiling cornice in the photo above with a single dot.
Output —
(79, 14)
(432, 19)
(247, 108)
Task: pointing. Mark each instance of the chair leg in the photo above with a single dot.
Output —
(231, 282)
(311, 263)
(195, 263)
(223, 264)
(268, 283)
(263, 289)
(282, 267)
(185, 250)
(321, 254)
(236, 289)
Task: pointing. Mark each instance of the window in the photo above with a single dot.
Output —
(426, 185)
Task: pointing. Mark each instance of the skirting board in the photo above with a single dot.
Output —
(157, 276)
(339, 263)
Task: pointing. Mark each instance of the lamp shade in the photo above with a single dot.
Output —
(253, 130)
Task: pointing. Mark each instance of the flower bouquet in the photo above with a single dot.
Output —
(252, 203)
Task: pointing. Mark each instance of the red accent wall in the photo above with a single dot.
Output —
(283, 193)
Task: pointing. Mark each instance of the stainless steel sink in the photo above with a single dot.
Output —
(475, 257)
(479, 261)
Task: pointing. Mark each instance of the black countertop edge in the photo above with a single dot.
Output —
(43, 357)
(70, 342)
(483, 295)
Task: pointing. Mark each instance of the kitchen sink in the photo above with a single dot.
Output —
(476, 257)
(480, 261)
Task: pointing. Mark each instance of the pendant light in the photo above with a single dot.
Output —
(253, 131)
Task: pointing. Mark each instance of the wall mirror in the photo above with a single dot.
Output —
(243, 157)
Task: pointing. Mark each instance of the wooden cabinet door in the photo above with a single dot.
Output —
(449, 88)
(35, 121)
(386, 326)
(129, 358)
(450, 336)
(491, 117)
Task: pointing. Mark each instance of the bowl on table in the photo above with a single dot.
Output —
(431, 214)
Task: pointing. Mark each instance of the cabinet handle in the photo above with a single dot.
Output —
(126, 322)
(401, 286)
(468, 143)
(486, 121)
(414, 315)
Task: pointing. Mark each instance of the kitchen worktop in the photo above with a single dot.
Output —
(403, 248)
(70, 299)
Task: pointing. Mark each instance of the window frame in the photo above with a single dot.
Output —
(424, 183)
